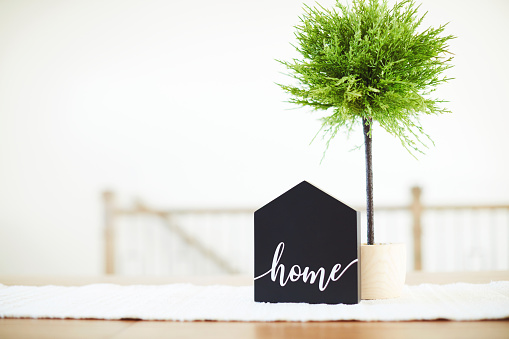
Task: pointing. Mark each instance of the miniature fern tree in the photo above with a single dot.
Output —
(368, 63)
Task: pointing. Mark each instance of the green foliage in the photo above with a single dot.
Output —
(369, 61)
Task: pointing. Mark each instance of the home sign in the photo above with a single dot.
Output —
(307, 248)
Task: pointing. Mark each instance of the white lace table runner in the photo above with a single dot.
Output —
(186, 302)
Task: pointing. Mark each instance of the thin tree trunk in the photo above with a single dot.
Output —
(369, 181)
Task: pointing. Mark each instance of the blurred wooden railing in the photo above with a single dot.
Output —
(112, 212)
(170, 219)
(417, 209)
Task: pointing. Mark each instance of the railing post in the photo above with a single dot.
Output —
(109, 241)
(416, 209)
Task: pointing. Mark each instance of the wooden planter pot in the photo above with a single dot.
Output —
(383, 270)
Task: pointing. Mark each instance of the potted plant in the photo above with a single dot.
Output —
(364, 64)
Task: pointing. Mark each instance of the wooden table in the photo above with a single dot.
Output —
(47, 328)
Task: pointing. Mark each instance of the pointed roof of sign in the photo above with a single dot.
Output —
(303, 186)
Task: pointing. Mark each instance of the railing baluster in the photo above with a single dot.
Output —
(416, 209)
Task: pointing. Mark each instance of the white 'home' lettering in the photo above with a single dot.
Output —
(296, 272)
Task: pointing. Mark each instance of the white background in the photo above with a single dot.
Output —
(175, 102)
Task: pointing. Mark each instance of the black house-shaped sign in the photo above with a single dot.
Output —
(307, 248)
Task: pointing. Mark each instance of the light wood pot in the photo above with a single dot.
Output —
(383, 270)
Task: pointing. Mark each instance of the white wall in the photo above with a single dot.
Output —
(175, 102)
